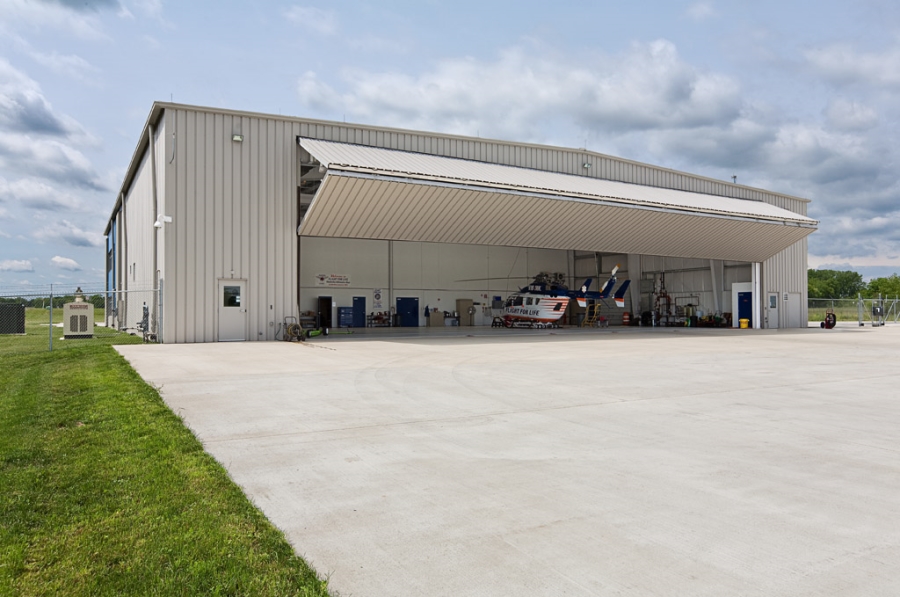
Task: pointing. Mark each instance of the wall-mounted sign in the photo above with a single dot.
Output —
(333, 280)
(376, 299)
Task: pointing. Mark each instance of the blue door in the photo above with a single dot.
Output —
(745, 306)
(359, 311)
(408, 310)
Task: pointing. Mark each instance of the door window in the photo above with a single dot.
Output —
(231, 296)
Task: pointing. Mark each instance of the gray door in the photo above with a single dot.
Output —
(232, 310)
(772, 310)
(793, 311)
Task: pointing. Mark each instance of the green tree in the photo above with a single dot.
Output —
(827, 283)
(889, 286)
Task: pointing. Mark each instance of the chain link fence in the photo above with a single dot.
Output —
(861, 311)
(61, 316)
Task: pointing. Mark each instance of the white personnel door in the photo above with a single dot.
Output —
(772, 311)
(232, 310)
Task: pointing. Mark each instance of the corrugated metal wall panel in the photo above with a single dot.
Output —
(233, 205)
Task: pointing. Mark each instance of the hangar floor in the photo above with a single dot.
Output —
(646, 462)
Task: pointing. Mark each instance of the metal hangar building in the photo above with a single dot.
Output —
(241, 220)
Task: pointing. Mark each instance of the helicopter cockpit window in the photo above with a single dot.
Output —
(517, 301)
(528, 301)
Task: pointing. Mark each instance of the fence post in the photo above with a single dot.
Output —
(859, 309)
(51, 319)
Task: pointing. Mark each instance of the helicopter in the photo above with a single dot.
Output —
(543, 302)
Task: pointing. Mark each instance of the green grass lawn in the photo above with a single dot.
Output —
(37, 334)
(103, 491)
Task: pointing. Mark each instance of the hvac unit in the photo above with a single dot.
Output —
(78, 318)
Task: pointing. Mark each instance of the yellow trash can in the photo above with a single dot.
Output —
(745, 323)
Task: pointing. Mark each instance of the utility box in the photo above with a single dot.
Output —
(345, 317)
(12, 318)
(78, 318)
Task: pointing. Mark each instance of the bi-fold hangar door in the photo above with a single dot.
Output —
(379, 193)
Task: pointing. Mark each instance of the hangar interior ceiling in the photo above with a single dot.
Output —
(310, 179)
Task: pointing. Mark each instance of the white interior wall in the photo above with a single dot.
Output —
(437, 274)
(691, 279)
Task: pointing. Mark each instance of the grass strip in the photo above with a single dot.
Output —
(104, 491)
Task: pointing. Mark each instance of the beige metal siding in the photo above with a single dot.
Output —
(137, 257)
(786, 272)
(234, 216)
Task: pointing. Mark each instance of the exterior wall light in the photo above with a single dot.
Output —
(586, 165)
(236, 137)
(161, 219)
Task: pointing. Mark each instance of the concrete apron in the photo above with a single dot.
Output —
(677, 463)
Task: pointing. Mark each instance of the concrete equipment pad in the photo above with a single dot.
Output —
(663, 462)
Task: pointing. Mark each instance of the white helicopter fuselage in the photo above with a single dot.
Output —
(526, 307)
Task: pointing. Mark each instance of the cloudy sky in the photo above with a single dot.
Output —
(794, 96)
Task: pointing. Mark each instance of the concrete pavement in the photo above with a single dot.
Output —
(657, 462)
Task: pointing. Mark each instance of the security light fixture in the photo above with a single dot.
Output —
(237, 137)
(161, 219)
(586, 165)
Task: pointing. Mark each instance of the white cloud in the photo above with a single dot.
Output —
(34, 194)
(67, 64)
(66, 263)
(48, 158)
(700, 11)
(521, 93)
(23, 108)
(843, 65)
(310, 18)
(11, 265)
(38, 141)
(846, 115)
(59, 16)
(68, 232)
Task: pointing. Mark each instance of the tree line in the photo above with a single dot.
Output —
(97, 300)
(833, 284)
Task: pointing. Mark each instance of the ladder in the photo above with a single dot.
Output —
(592, 317)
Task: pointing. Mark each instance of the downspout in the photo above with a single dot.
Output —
(123, 313)
(152, 149)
